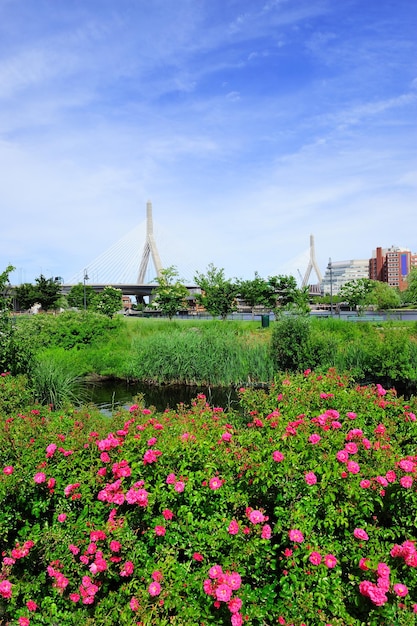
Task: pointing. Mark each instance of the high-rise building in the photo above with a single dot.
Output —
(340, 272)
(392, 265)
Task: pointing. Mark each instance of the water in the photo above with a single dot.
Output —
(109, 395)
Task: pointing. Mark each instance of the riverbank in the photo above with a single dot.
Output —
(213, 353)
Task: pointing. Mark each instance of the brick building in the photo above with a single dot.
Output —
(392, 266)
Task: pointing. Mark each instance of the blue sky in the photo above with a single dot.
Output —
(249, 125)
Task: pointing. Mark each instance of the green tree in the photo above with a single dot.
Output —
(47, 292)
(26, 296)
(76, 296)
(15, 355)
(256, 292)
(286, 294)
(410, 294)
(357, 293)
(171, 294)
(109, 301)
(384, 296)
(218, 293)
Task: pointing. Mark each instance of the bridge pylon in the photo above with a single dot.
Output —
(149, 249)
(312, 264)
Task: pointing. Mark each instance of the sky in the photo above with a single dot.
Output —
(249, 124)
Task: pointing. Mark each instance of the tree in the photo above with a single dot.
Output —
(410, 293)
(384, 296)
(171, 294)
(26, 296)
(256, 292)
(357, 293)
(218, 294)
(287, 295)
(76, 296)
(47, 292)
(109, 301)
(15, 354)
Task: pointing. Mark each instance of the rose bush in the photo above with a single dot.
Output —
(301, 508)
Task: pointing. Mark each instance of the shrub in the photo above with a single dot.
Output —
(299, 509)
(291, 343)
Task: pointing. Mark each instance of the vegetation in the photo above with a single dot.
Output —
(410, 294)
(15, 355)
(298, 509)
(109, 301)
(170, 296)
(45, 292)
(214, 352)
(218, 293)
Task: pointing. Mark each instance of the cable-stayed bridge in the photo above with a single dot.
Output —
(133, 267)
(128, 266)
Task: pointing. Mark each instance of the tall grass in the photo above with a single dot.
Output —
(209, 354)
(52, 385)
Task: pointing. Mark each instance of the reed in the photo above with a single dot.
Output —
(206, 354)
(51, 385)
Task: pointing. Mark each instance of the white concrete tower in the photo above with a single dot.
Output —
(312, 264)
(149, 248)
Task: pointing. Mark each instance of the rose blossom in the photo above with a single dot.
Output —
(400, 590)
(406, 482)
(315, 558)
(359, 533)
(310, 478)
(266, 532)
(256, 517)
(352, 467)
(330, 560)
(39, 478)
(154, 589)
(215, 483)
(296, 535)
(233, 528)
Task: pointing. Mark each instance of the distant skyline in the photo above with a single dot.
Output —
(249, 124)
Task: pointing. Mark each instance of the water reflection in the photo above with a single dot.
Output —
(109, 395)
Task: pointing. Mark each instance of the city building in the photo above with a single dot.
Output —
(340, 272)
(392, 265)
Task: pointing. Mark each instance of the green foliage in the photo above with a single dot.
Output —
(285, 290)
(170, 296)
(81, 295)
(70, 329)
(219, 293)
(14, 394)
(53, 386)
(410, 294)
(26, 296)
(384, 296)
(47, 292)
(357, 293)
(256, 292)
(291, 343)
(109, 301)
(15, 355)
(211, 353)
(274, 495)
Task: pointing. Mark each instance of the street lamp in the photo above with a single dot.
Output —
(85, 293)
(330, 268)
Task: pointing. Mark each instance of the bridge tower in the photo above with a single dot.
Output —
(149, 248)
(312, 264)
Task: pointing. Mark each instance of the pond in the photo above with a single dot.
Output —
(110, 394)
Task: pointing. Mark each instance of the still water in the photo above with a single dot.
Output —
(110, 395)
